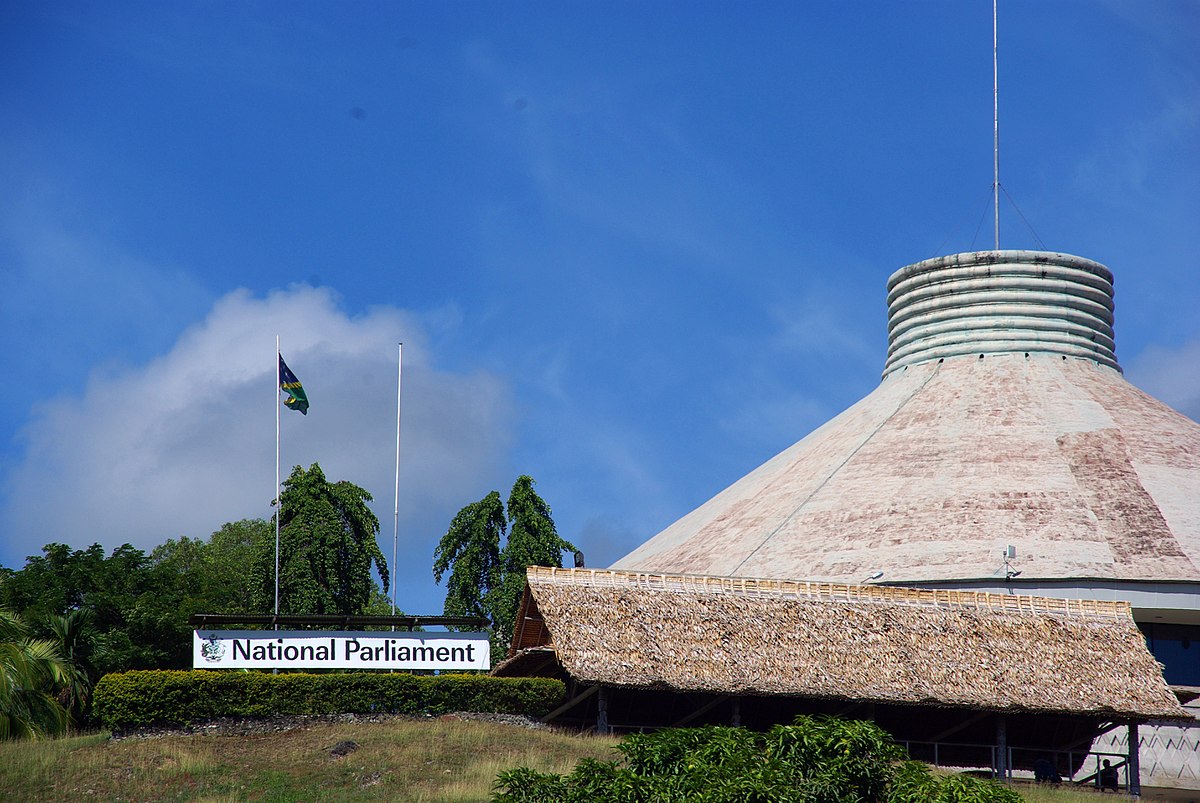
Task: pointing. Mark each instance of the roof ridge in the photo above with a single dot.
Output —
(843, 592)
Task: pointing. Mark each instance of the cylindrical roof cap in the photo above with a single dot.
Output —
(997, 302)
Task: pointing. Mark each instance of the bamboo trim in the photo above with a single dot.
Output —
(844, 592)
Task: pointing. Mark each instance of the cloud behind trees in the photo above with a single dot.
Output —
(184, 443)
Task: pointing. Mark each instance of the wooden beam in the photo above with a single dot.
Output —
(710, 705)
(569, 704)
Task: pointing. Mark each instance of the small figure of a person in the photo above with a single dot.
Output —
(1107, 778)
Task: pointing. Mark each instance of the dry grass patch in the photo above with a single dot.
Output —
(399, 760)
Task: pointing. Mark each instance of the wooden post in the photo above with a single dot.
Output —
(736, 720)
(1002, 747)
(602, 711)
(1133, 770)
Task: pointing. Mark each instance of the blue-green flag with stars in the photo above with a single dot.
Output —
(289, 384)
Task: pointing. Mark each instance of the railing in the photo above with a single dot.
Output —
(1082, 767)
(959, 755)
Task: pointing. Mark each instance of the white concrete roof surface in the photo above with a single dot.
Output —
(953, 458)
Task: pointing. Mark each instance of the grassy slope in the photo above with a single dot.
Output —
(399, 760)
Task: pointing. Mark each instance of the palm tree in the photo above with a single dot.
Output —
(75, 639)
(30, 670)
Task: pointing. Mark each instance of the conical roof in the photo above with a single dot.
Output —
(1002, 418)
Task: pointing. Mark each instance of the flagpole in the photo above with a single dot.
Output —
(396, 510)
(995, 126)
(278, 505)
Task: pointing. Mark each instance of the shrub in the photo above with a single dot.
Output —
(845, 759)
(814, 760)
(144, 698)
(912, 782)
(965, 789)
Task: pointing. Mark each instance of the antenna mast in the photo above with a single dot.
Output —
(995, 127)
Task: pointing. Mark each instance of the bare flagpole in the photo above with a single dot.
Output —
(396, 511)
(278, 382)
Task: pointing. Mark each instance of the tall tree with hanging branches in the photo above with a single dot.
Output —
(533, 540)
(486, 578)
(327, 546)
(470, 552)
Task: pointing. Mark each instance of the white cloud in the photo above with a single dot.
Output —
(186, 442)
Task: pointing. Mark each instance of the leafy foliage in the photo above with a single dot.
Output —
(470, 551)
(533, 540)
(129, 610)
(132, 619)
(485, 579)
(848, 759)
(209, 577)
(327, 546)
(912, 782)
(814, 760)
(75, 637)
(30, 671)
(139, 699)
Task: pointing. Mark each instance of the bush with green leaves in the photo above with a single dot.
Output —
(131, 700)
(813, 760)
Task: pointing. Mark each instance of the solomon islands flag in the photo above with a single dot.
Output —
(289, 384)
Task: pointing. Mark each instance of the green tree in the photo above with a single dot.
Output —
(130, 607)
(533, 540)
(213, 576)
(30, 670)
(487, 580)
(52, 583)
(326, 548)
(470, 551)
(129, 610)
(75, 637)
(230, 552)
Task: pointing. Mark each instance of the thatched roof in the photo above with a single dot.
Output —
(891, 645)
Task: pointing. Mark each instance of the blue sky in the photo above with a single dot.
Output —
(632, 249)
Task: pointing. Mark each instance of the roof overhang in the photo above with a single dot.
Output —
(992, 652)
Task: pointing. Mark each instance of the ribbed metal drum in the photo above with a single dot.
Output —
(997, 302)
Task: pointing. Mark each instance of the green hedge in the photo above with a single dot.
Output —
(147, 698)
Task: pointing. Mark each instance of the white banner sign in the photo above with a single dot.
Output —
(325, 649)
